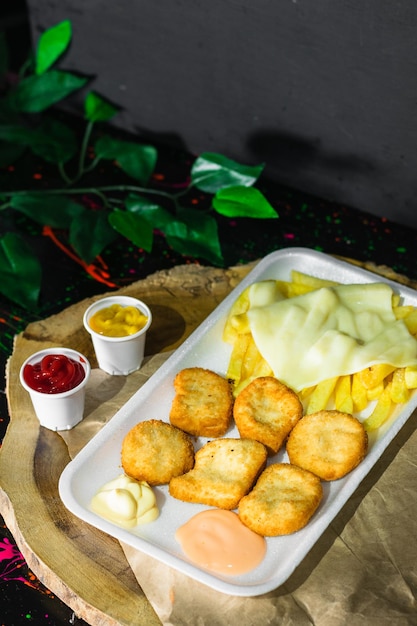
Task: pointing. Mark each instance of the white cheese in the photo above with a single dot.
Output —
(329, 332)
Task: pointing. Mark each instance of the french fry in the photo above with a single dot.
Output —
(359, 393)
(410, 376)
(411, 322)
(311, 281)
(373, 376)
(399, 391)
(374, 392)
(321, 395)
(240, 305)
(383, 383)
(343, 395)
(240, 324)
(403, 311)
(250, 359)
(234, 371)
(381, 411)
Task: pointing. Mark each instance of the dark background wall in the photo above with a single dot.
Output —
(323, 91)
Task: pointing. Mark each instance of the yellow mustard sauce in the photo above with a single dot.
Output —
(118, 321)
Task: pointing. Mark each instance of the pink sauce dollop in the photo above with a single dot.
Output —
(55, 373)
(217, 540)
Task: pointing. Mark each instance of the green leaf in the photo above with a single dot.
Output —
(20, 271)
(134, 227)
(243, 202)
(137, 160)
(90, 233)
(195, 234)
(53, 210)
(154, 214)
(16, 133)
(97, 109)
(211, 172)
(38, 92)
(54, 142)
(52, 43)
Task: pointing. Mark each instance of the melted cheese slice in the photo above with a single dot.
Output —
(329, 332)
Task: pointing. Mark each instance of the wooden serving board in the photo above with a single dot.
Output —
(81, 565)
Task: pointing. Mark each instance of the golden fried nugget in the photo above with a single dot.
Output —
(155, 451)
(203, 403)
(328, 443)
(282, 501)
(224, 471)
(266, 410)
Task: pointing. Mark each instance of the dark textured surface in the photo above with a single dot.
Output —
(323, 92)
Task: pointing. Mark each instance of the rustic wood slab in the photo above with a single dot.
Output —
(81, 565)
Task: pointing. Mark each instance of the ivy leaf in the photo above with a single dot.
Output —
(53, 210)
(155, 215)
(90, 232)
(52, 43)
(134, 227)
(195, 234)
(20, 271)
(97, 109)
(211, 172)
(17, 134)
(54, 142)
(243, 202)
(38, 92)
(135, 159)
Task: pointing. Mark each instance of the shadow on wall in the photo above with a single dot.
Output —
(294, 153)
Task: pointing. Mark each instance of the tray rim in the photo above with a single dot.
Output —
(348, 488)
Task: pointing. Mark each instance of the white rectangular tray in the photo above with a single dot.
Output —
(99, 461)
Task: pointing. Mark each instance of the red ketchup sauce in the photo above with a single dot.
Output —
(55, 373)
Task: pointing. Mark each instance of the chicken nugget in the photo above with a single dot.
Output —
(203, 403)
(282, 501)
(328, 443)
(224, 471)
(155, 451)
(266, 410)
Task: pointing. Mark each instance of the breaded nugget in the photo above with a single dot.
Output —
(282, 501)
(267, 410)
(203, 403)
(328, 443)
(156, 451)
(224, 471)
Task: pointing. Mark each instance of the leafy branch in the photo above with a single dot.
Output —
(135, 211)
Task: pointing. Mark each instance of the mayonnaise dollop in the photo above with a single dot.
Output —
(126, 502)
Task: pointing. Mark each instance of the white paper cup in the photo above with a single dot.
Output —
(118, 355)
(58, 411)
